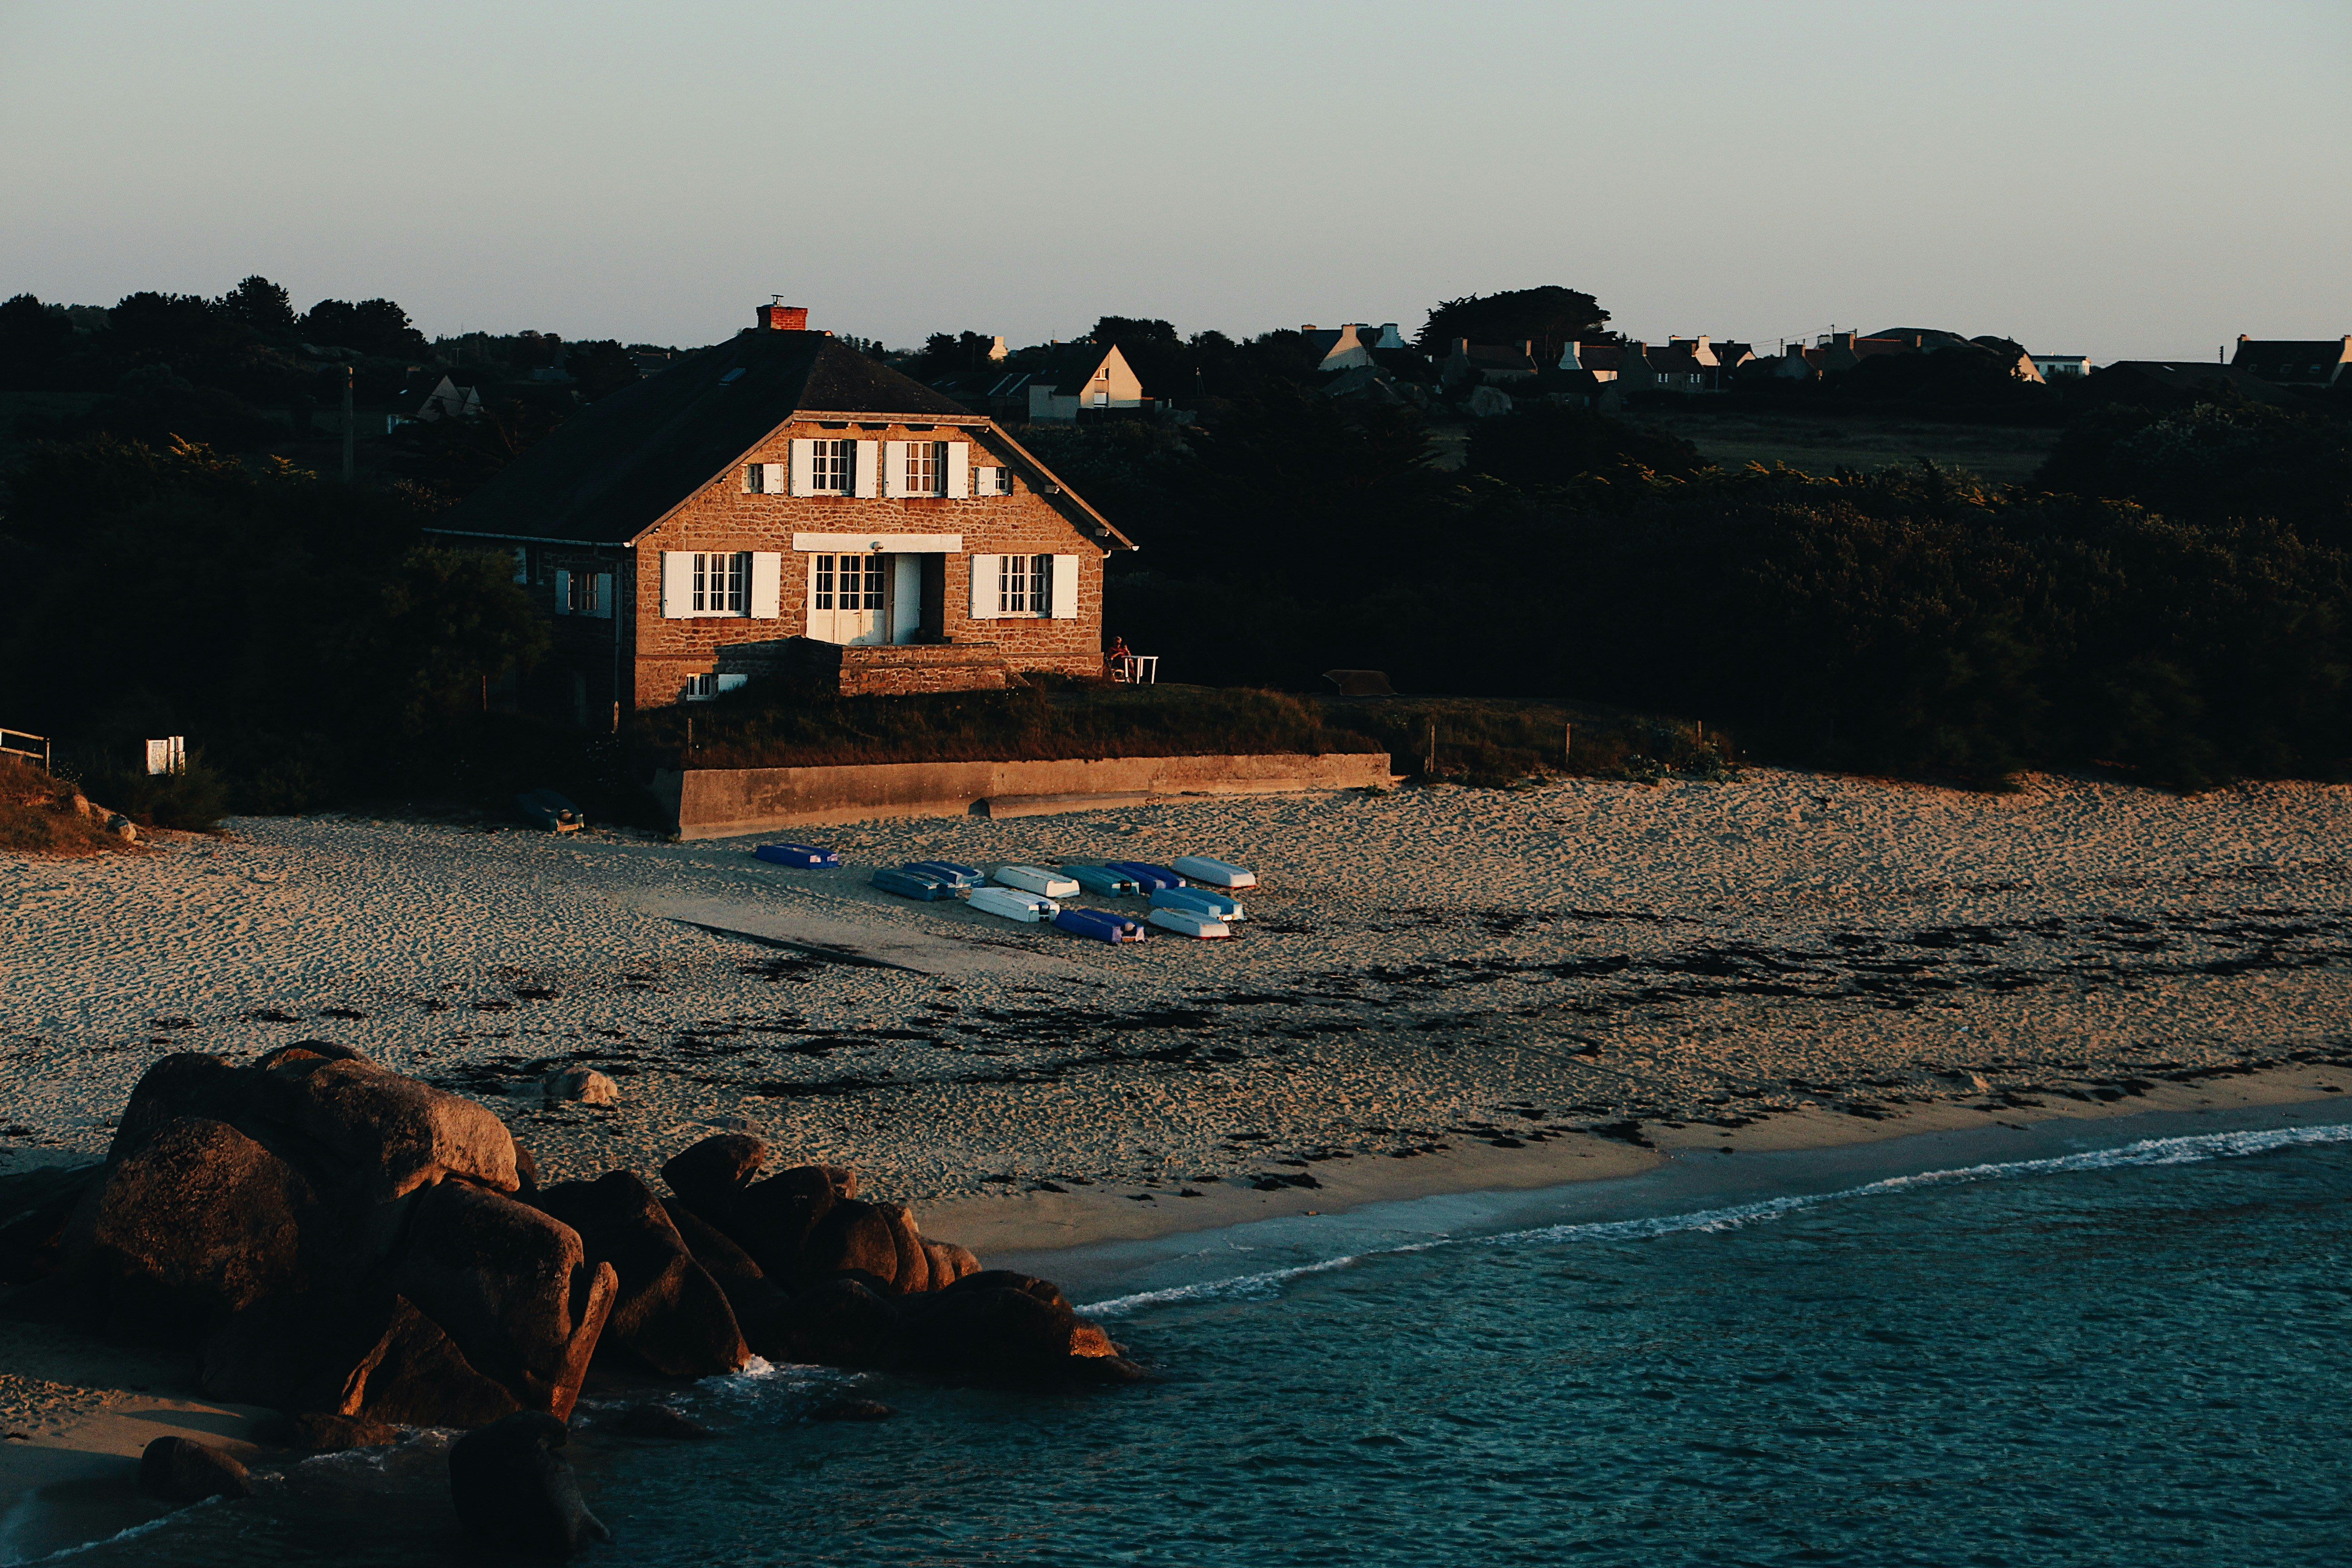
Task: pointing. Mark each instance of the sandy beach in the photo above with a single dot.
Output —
(1437, 989)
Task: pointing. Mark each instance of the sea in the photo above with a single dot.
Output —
(2119, 1342)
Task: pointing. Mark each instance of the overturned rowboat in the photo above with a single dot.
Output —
(1216, 873)
(807, 857)
(1036, 879)
(1188, 922)
(910, 883)
(1147, 877)
(947, 871)
(1099, 925)
(1101, 880)
(1217, 906)
(1013, 904)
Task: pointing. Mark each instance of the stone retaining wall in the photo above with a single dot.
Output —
(715, 802)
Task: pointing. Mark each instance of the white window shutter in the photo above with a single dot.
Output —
(605, 595)
(767, 584)
(804, 466)
(729, 682)
(985, 478)
(563, 591)
(677, 584)
(959, 468)
(1065, 587)
(523, 563)
(984, 587)
(771, 478)
(869, 456)
(893, 468)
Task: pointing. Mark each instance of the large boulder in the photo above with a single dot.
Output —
(184, 1084)
(1006, 1330)
(511, 1287)
(854, 1237)
(913, 1272)
(841, 1322)
(667, 1311)
(182, 1470)
(367, 1354)
(196, 1223)
(950, 1263)
(512, 1490)
(749, 1290)
(771, 1218)
(710, 1176)
(416, 1376)
(395, 1133)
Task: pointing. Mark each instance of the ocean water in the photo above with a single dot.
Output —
(2131, 1355)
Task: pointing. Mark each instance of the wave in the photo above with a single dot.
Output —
(2187, 1150)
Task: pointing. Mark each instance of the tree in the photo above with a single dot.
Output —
(1552, 316)
(599, 367)
(261, 305)
(375, 327)
(34, 340)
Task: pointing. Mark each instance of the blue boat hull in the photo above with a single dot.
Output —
(912, 885)
(807, 857)
(1147, 877)
(1099, 925)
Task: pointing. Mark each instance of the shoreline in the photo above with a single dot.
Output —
(1195, 1261)
(1040, 1227)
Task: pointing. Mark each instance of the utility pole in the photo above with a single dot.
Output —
(349, 432)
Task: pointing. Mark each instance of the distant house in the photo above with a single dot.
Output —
(1496, 362)
(1600, 360)
(1081, 376)
(2317, 362)
(782, 504)
(1680, 365)
(1346, 347)
(447, 400)
(2052, 365)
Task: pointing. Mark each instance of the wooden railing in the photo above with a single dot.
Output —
(9, 747)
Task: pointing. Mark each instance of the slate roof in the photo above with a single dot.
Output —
(2291, 359)
(612, 470)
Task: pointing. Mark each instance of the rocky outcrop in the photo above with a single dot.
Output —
(667, 1312)
(363, 1251)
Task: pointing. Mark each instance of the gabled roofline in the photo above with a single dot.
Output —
(973, 422)
(1063, 491)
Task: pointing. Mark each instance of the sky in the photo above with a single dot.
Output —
(2140, 180)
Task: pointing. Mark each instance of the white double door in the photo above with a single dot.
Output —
(865, 599)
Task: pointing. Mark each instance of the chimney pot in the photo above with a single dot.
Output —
(783, 318)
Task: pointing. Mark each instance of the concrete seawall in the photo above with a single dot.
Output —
(715, 802)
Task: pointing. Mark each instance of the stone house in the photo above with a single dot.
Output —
(782, 504)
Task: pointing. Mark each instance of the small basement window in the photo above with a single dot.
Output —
(703, 688)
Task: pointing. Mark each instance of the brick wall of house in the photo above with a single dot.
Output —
(725, 516)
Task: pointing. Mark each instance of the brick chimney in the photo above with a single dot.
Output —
(781, 318)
